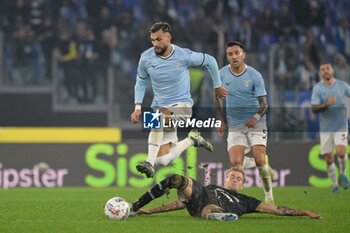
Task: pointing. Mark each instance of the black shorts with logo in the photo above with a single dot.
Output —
(200, 198)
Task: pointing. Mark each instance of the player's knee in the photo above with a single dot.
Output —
(178, 181)
(211, 209)
(329, 158)
(235, 161)
(341, 153)
(260, 161)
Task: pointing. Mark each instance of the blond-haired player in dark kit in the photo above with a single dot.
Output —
(211, 202)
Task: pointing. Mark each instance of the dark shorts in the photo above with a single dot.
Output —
(200, 198)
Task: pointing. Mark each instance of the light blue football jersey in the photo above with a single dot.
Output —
(242, 102)
(169, 76)
(333, 118)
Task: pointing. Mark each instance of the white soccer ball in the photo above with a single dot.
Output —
(117, 208)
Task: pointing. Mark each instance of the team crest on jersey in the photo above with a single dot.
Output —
(177, 64)
(246, 82)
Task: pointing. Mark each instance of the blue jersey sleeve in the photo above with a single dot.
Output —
(212, 66)
(141, 69)
(140, 89)
(199, 59)
(141, 81)
(221, 72)
(195, 59)
(259, 86)
(315, 97)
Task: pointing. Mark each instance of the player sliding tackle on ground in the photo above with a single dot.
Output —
(167, 66)
(211, 202)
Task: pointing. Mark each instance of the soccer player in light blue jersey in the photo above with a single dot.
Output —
(246, 105)
(328, 100)
(167, 67)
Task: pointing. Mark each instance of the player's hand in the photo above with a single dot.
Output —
(251, 122)
(143, 211)
(135, 116)
(221, 129)
(331, 100)
(221, 92)
(313, 215)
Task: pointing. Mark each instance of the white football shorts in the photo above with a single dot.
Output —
(247, 137)
(179, 111)
(330, 140)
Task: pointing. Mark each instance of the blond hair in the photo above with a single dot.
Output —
(237, 168)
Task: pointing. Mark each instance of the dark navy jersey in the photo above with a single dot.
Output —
(233, 202)
(229, 201)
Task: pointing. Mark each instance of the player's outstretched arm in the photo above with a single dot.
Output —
(171, 206)
(285, 211)
(212, 66)
(221, 92)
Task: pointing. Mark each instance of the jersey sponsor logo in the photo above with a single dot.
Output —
(219, 191)
(227, 84)
(151, 119)
(246, 82)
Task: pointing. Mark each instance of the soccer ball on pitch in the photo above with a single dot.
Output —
(117, 208)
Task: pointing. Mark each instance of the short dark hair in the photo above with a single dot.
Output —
(164, 26)
(325, 62)
(233, 43)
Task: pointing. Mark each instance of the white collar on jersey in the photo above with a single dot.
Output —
(171, 53)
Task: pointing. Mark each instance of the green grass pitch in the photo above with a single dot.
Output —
(81, 210)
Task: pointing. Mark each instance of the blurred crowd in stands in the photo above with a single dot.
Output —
(86, 37)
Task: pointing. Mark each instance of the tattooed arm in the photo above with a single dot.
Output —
(285, 211)
(251, 122)
(174, 205)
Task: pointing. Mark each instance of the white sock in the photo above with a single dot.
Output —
(175, 152)
(332, 174)
(342, 164)
(155, 140)
(266, 181)
(248, 162)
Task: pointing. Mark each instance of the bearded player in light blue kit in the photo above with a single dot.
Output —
(167, 66)
(328, 100)
(246, 105)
